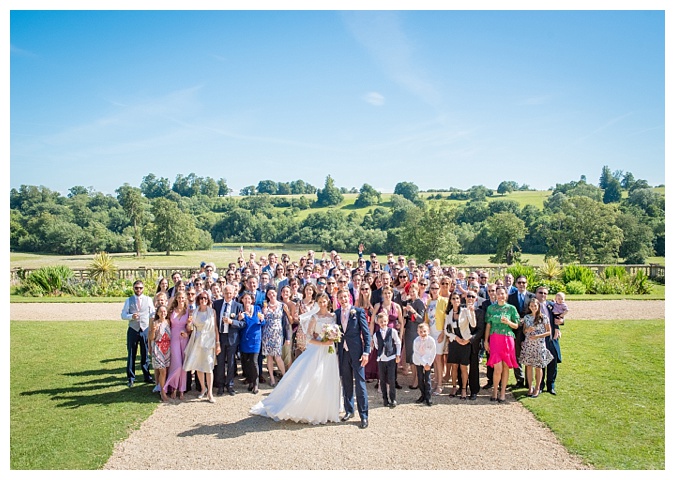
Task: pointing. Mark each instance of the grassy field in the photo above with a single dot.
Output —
(610, 409)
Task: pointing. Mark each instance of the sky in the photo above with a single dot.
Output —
(439, 98)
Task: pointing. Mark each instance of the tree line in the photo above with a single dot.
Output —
(579, 221)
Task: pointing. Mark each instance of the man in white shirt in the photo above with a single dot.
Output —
(138, 311)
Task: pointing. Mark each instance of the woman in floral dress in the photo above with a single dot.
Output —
(273, 335)
(534, 352)
(160, 346)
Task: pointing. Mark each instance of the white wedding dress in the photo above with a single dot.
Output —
(310, 392)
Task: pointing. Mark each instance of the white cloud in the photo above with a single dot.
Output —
(374, 98)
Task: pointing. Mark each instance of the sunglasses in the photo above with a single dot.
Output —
(434, 288)
(321, 283)
(445, 283)
(521, 283)
(471, 296)
(331, 283)
(138, 288)
(203, 299)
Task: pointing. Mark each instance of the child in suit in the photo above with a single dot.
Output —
(388, 346)
(424, 352)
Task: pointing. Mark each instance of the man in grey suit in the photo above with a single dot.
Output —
(138, 310)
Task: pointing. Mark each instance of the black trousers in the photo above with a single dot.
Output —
(249, 362)
(519, 372)
(550, 373)
(226, 366)
(424, 382)
(474, 362)
(134, 340)
(387, 371)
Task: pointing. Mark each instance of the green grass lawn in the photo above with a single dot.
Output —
(69, 403)
(610, 407)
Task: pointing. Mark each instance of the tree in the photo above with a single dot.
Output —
(247, 191)
(612, 191)
(131, 200)
(153, 187)
(508, 230)
(223, 189)
(209, 187)
(430, 236)
(638, 238)
(627, 181)
(407, 190)
(605, 177)
(172, 229)
(507, 186)
(478, 193)
(283, 188)
(330, 195)
(367, 196)
(267, 186)
(648, 200)
(77, 190)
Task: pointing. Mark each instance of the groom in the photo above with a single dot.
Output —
(353, 352)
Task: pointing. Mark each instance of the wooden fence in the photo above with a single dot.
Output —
(654, 271)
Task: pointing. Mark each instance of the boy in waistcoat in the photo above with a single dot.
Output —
(388, 346)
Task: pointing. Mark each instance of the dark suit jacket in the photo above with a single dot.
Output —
(376, 297)
(513, 300)
(553, 345)
(232, 336)
(478, 331)
(357, 335)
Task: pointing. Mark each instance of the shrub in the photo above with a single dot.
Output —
(102, 269)
(553, 286)
(52, 280)
(611, 285)
(615, 271)
(575, 287)
(525, 270)
(640, 283)
(578, 273)
(550, 270)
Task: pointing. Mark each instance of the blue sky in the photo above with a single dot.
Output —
(439, 98)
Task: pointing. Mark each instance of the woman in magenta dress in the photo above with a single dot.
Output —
(178, 316)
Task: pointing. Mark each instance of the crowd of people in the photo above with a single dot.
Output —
(432, 320)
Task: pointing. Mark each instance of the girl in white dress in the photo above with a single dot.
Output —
(310, 390)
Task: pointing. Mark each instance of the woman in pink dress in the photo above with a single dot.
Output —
(178, 316)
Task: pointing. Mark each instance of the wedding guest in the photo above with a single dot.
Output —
(160, 346)
(457, 328)
(228, 324)
(175, 277)
(434, 316)
(394, 314)
(138, 310)
(162, 287)
(560, 308)
(413, 315)
(534, 353)
(501, 321)
(388, 352)
(309, 294)
(290, 320)
(550, 373)
(250, 342)
(363, 301)
(178, 316)
(204, 345)
(273, 332)
(424, 352)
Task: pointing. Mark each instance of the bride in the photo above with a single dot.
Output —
(310, 390)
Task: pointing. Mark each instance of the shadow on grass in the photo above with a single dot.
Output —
(105, 386)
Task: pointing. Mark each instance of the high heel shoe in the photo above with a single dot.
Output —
(201, 395)
(463, 395)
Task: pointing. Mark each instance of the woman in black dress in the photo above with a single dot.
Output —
(458, 324)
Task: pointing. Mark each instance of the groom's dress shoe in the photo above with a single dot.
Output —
(347, 417)
(364, 423)
(419, 400)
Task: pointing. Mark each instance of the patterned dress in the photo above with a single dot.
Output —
(533, 351)
(161, 348)
(272, 331)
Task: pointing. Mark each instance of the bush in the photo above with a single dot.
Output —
(615, 271)
(578, 273)
(102, 269)
(640, 283)
(525, 270)
(550, 270)
(52, 280)
(575, 287)
(611, 285)
(553, 286)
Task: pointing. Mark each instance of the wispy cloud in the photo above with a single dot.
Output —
(14, 50)
(382, 35)
(536, 100)
(374, 98)
(604, 126)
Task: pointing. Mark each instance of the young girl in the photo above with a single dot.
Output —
(559, 309)
(534, 352)
(160, 346)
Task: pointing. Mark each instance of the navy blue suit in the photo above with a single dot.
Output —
(229, 343)
(550, 373)
(357, 339)
(523, 310)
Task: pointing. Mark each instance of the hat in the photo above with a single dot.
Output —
(408, 286)
(202, 265)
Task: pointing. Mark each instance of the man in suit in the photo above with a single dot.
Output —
(176, 277)
(491, 300)
(353, 352)
(376, 296)
(521, 300)
(476, 303)
(138, 310)
(550, 373)
(227, 312)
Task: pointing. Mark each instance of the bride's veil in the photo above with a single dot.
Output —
(306, 317)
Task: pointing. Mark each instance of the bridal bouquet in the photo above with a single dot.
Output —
(330, 332)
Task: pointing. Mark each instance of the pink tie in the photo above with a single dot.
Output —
(138, 304)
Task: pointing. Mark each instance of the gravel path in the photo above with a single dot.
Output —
(224, 436)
